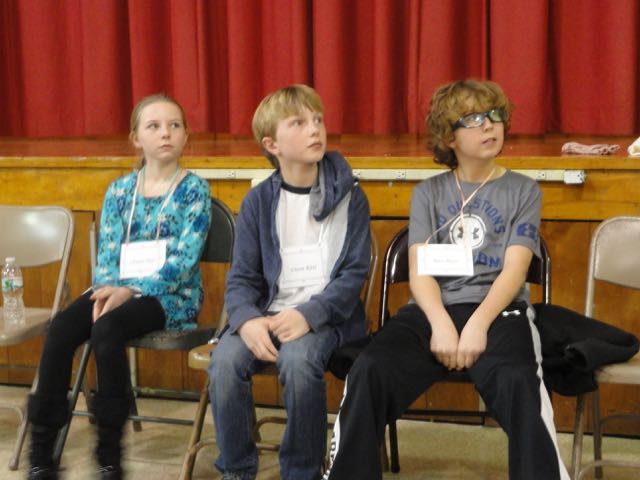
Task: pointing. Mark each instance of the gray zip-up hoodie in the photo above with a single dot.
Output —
(255, 269)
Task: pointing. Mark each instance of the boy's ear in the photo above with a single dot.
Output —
(270, 145)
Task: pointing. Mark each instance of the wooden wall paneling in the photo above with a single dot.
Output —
(162, 369)
(604, 194)
(4, 360)
(266, 390)
(79, 189)
(389, 199)
(335, 390)
(232, 192)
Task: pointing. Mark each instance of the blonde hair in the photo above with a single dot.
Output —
(452, 101)
(281, 104)
(134, 121)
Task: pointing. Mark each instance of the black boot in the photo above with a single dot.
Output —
(110, 473)
(46, 413)
(111, 414)
(42, 473)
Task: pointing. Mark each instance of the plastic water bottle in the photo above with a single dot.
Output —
(13, 305)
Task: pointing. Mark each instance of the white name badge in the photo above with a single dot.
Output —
(301, 267)
(141, 259)
(445, 260)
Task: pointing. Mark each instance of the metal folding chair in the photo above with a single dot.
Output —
(614, 257)
(36, 236)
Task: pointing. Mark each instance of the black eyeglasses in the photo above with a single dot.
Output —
(476, 119)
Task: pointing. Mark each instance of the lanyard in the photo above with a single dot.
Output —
(168, 194)
(465, 202)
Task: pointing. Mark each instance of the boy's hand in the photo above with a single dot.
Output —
(444, 344)
(255, 334)
(289, 325)
(473, 341)
(108, 298)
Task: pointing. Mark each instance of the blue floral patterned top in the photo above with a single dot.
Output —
(178, 284)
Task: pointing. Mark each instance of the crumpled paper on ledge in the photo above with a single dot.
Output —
(597, 149)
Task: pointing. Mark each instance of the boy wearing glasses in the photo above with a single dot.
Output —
(472, 233)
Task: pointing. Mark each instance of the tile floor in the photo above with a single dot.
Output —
(463, 452)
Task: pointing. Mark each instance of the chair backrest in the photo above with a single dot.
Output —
(218, 247)
(614, 256)
(38, 236)
(396, 270)
(367, 289)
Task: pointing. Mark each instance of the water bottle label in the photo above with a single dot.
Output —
(9, 284)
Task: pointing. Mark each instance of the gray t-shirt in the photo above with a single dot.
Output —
(504, 212)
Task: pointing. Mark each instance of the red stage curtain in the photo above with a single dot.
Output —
(75, 67)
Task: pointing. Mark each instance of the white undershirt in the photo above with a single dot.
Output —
(296, 227)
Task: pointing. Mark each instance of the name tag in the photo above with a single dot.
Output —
(445, 260)
(141, 259)
(301, 267)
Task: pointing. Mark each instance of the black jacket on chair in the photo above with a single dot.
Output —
(575, 346)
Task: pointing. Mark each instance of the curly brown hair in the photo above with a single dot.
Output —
(452, 101)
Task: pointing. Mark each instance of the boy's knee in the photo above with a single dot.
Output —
(230, 355)
(511, 381)
(300, 368)
(365, 365)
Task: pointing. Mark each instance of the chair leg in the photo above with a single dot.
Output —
(73, 399)
(384, 456)
(578, 431)
(133, 378)
(133, 410)
(393, 447)
(14, 461)
(597, 430)
(196, 433)
(86, 391)
(22, 434)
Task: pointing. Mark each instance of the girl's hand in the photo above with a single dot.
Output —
(107, 298)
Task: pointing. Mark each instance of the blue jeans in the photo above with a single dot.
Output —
(301, 365)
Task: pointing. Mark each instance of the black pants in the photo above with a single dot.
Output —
(398, 366)
(73, 326)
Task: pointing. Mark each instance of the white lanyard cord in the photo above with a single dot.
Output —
(465, 202)
(168, 195)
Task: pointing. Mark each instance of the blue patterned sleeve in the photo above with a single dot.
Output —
(111, 235)
(186, 225)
